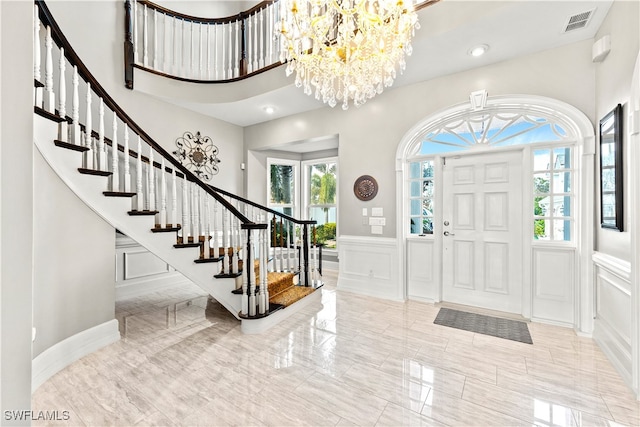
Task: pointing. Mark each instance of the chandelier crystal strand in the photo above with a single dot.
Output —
(345, 50)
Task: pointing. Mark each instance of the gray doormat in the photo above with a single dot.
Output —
(495, 326)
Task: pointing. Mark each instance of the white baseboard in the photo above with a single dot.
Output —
(67, 351)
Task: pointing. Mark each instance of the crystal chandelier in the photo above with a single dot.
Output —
(345, 49)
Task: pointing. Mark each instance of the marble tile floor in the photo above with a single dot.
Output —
(350, 360)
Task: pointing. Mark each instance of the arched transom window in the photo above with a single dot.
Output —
(493, 127)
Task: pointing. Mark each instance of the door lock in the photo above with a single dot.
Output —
(446, 233)
(446, 223)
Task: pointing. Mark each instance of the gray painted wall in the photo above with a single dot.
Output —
(369, 135)
(74, 275)
(613, 84)
(16, 206)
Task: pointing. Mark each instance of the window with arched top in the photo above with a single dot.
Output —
(499, 126)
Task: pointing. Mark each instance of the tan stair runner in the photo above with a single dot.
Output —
(282, 288)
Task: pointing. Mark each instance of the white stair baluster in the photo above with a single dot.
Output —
(139, 190)
(155, 39)
(249, 45)
(145, 41)
(184, 71)
(263, 273)
(236, 69)
(135, 31)
(163, 195)
(230, 69)
(75, 109)
(296, 252)
(36, 50)
(225, 242)
(215, 52)
(152, 182)
(88, 138)
(126, 158)
(264, 256)
(234, 245)
(280, 245)
(206, 245)
(101, 151)
(166, 41)
(196, 214)
(272, 245)
(176, 39)
(270, 34)
(208, 76)
(174, 199)
(192, 56)
(216, 245)
(50, 99)
(254, 47)
(62, 98)
(244, 305)
(115, 176)
(252, 272)
(261, 39)
(223, 63)
(185, 211)
(200, 52)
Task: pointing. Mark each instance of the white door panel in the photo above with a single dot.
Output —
(482, 242)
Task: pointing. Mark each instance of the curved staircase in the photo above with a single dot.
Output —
(199, 231)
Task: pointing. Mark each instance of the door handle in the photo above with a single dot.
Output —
(446, 233)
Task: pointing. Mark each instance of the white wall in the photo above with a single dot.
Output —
(613, 83)
(16, 206)
(74, 278)
(162, 121)
(369, 135)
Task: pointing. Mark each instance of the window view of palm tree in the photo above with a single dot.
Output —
(322, 201)
(282, 187)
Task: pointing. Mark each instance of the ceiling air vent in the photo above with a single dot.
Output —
(577, 21)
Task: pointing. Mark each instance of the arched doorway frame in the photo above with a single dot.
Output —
(579, 125)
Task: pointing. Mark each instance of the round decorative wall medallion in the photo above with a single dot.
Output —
(365, 188)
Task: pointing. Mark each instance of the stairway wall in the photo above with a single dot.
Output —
(74, 277)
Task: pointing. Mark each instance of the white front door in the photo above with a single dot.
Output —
(482, 227)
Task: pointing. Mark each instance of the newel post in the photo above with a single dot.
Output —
(305, 253)
(243, 47)
(128, 46)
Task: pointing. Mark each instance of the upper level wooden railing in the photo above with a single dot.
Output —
(203, 50)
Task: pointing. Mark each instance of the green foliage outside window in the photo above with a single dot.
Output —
(541, 189)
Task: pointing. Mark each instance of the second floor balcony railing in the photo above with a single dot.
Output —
(199, 49)
(204, 50)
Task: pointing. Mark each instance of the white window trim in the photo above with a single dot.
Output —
(306, 185)
(296, 183)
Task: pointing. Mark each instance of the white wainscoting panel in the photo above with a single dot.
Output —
(138, 271)
(612, 329)
(553, 284)
(369, 266)
(421, 270)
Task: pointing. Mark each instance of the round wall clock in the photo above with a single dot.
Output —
(365, 188)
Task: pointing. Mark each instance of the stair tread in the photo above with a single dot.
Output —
(291, 295)
(118, 194)
(133, 213)
(165, 229)
(186, 245)
(96, 172)
(70, 146)
(47, 115)
(207, 260)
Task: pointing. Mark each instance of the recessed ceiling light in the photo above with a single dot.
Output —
(269, 110)
(478, 50)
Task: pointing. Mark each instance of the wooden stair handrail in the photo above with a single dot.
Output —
(60, 39)
(259, 206)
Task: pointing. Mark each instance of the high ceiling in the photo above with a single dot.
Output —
(448, 30)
